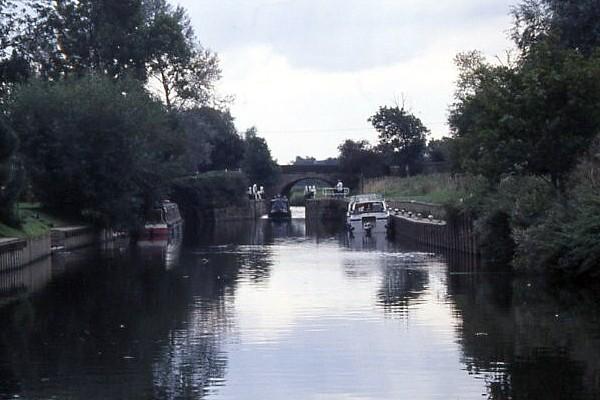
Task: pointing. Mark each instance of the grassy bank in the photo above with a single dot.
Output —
(35, 221)
(436, 188)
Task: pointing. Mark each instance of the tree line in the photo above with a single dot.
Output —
(105, 102)
(402, 147)
(529, 124)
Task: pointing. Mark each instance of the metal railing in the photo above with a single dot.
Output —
(334, 193)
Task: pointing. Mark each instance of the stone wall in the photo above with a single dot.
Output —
(253, 209)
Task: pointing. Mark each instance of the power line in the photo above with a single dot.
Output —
(317, 130)
(309, 131)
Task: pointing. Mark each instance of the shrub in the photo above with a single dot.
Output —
(567, 240)
(211, 189)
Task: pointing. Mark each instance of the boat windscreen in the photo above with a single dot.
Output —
(370, 207)
(155, 216)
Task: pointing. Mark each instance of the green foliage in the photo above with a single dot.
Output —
(227, 146)
(94, 147)
(571, 24)
(11, 174)
(439, 150)
(258, 165)
(359, 158)
(566, 241)
(185, 70)
(120, 39)
(210, 190)
(75, 37)
(197, 133)
(485, 142)
(527, 123)
(402, 137)
(533, 118)
(34, 221)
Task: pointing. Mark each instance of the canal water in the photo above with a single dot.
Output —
(271, 311)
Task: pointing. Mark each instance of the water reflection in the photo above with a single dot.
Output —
(20, 283)
(403, 283)
(278, 310)
(525, 338)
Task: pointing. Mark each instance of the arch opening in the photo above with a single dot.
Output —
(295, 189)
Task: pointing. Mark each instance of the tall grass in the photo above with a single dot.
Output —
(435, 188)
(35, 221)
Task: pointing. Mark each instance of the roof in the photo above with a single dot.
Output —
(361, 198)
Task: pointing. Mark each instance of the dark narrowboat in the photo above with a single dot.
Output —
(280, 209)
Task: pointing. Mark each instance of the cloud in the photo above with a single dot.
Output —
(339, 35)
(309, 74)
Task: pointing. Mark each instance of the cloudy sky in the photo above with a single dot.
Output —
(308, 73)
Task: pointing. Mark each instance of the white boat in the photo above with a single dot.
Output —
(367, 213)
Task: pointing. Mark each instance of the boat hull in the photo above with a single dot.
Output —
(162, 231)
(280, 216)
(368, 224)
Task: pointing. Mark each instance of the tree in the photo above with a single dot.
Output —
(359, 158)
(197, 134)
(122, 39)
(439, 150)
(258, 164)
(104, 156)
(74, 37)
(533, 117)
(570, 24)
(402, 137)
(227, 146)
(11, 176)
(14, 68)
(482, 119)
(185, 70)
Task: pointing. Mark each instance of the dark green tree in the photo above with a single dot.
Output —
(227, 146)
(185, 71)
(196, 135)
(96, 148)
(570, 24)
(74, 37)
(122, 39)
(402, 137)
(439, 150)
(359, 158)
(488, 139)
(11, 176)
(258, 164)
(535, 117)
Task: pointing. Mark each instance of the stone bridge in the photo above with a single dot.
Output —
(292, 174)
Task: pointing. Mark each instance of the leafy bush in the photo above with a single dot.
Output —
(211, 189)
(94, 147)
(567, 240)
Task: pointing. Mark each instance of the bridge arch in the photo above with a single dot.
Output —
(287, 186)
(292, 174)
